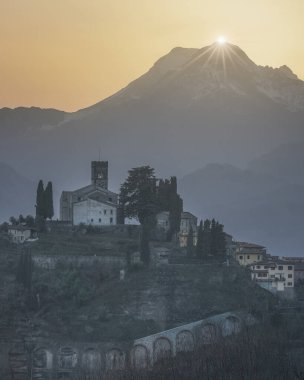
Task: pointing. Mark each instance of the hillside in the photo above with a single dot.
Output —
(253, 206)
(17, 193)
(193, 107)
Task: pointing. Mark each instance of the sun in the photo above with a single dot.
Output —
(221, 40)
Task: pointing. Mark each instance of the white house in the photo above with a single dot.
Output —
(21, 233)
(276, 275)
(93, 204)
(93, 212)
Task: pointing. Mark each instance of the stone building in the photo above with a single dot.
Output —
(249, 253)
(94, 204)
(188, 221)
(275, 275)
(21, 233)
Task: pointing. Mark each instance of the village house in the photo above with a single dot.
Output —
(274, 275)
(188, 222)
(298, 263)
(21, 233)
(248, 253)
(93, 204)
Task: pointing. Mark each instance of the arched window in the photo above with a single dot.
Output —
(162, 349)
(43, 359)
(209, 333)
(184, 341)
(115, 360)
(67, 358)
(139, 357)
(91, 360)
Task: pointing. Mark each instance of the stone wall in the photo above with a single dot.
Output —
(109, 262)
(58, 360)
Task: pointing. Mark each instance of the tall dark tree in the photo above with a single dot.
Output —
(199, 244)
(21, 219)
(48, 201)
(30, 221)
(213, 238)
(206, 239)
(190, 243)
(40, 200)
(138, 199)
(220, 242)
(13, 220)
(175, 208)
(169, 200)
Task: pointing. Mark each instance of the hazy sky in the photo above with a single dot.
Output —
(69, 54)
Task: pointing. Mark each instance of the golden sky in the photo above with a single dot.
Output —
(69, 54)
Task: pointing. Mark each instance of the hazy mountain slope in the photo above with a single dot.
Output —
(192, 107)
(253, 207)
(17, 194)
(286, 162)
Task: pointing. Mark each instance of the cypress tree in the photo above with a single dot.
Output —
(206, 240)
(40, 200)
(213, 248)
(48, 199)
(190, 243)
(199, 244)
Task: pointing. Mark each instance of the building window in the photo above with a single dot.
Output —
(258, 267)
(105, 212)
(110, 199)
(290, 276)
(272, 276)
(258, 257)
(289, 283)
(92, 220)
(265, 267)
(248, 257)
(111, 220)
(280, 267)
(99, 220)
(111, 212)
(241, 257)
(289, 267)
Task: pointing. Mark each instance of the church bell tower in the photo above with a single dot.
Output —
(99, 170)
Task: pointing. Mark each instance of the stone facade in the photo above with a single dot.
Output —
(93, 204)
(248, 253)
(188, 221)
(45, 359)
(20, 234)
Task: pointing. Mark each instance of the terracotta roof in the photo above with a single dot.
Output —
(187, 215)
(243, 244)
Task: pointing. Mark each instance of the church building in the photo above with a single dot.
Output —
(93, 204)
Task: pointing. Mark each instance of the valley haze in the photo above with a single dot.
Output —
(230, 130)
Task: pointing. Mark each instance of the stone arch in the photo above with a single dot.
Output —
(43, 359)
(231, 325)
(67, 358)
(139, 356)
(162, 349)
(209, 333)
(18, 360)
(115, 359)
(91, 360)
(184, 341)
